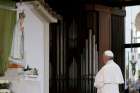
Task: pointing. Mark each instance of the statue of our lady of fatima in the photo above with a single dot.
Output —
(17, 49)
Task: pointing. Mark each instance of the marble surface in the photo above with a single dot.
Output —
(20, 84)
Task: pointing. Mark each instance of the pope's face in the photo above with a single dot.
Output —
(105, 59)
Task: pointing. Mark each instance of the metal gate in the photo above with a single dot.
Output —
(73, 55)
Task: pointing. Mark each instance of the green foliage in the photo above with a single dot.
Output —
(10, 3)
(2, 67)
(7, 23)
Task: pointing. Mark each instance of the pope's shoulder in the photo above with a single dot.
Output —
(112, 65)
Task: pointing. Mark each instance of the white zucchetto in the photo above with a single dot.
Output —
(109, 53)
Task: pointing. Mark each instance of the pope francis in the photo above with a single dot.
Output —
(110, 76)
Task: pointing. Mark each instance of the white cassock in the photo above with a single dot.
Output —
(108, 78)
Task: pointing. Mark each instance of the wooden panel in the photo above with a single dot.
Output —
(97, 7)
(118, 39)
(104, 33)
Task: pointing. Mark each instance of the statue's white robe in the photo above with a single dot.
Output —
(17, 49)
(108, 78)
